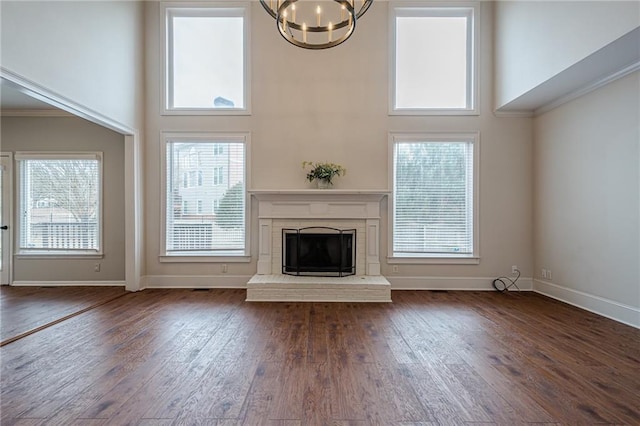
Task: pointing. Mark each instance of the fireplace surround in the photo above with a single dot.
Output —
(357, 210)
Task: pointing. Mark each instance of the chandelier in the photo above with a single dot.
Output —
(316, 24)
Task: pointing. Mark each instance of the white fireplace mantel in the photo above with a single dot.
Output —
(321, 206)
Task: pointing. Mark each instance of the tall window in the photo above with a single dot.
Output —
(59, 202)
(433, 60)
(206, 59)
(210, 219)
(434, 196)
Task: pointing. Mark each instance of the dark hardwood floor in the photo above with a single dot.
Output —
(162, 357)
(24, 309)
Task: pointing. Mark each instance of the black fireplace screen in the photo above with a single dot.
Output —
(319, 251)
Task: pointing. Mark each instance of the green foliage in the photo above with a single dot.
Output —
(323, 171)
(230, 210)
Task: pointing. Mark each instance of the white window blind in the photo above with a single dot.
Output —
(208, 219)
(59, 203)
(433, 199)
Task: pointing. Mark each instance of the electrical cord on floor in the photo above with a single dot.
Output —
(500, 283)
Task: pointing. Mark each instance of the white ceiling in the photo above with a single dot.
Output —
(13, 99)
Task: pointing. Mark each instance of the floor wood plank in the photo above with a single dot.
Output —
(164, 357)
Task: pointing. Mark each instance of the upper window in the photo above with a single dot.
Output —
(210, 219)
(434, 196)
(59, 202)
(206, 59)
(433, 64)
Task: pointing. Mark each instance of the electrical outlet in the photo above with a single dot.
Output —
(224, 268)
(544, 273)
(514, 269)
(96, 267)
(549, 274)
(395, 269)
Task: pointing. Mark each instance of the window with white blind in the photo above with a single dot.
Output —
(209, 219)
(59, 203)
(206, 58)
(433, 59)
(434, 196)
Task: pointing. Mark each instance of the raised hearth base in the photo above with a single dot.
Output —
(289, 288)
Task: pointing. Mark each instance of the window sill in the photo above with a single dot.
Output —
(63, 256)
(174, 258)
(205, 111)
(426, 112)
(467, 260)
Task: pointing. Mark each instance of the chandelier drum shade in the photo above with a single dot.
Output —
(316, 24)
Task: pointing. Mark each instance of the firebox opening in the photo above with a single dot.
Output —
(319, 251)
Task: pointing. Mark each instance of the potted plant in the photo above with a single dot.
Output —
(323, 173)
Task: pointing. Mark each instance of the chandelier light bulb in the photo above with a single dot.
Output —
(334, 22)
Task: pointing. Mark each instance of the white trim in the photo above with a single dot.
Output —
(58, 255)
(416, 8)
(58, 155)
(35, 113)
(513, 114)
(9, 220)
(203, 259)
(594, 85)
(460, 260)
(196, 281)
(105, 283)
(43, 94)
(133, 167)
(452, 283)
(607, 308)
(217, 8)
(132, 211)
(474, 137)
(205, 137)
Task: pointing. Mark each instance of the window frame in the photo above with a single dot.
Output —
(212, 9)
(21, 252)
(435, 9)
(402, 137)
(204, 137)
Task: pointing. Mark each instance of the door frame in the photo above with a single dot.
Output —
(7, 157)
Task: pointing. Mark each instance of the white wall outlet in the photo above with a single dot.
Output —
(224, 268)
(394, 269)
(549, 274)
(96, 267)
(514, 269)
(544, 273)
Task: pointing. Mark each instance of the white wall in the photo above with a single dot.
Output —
(75, 134)
(89, 52)
(536, 40)
(332, 105)
(586, 199)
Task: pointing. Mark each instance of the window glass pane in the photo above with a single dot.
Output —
(431, 62)
(59, 205)
(206, 219)
(433, 199)
(207, 62)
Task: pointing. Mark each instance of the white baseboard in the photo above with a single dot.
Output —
(397, 283)
(620, 312)
(195, 281)
(452, 283)
(68, 283)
